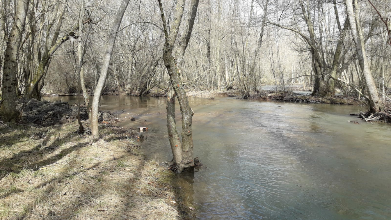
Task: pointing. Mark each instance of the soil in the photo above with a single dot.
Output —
(50, 171)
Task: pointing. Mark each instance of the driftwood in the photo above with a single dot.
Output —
(379, 116)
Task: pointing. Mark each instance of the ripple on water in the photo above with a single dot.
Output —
(279, 161)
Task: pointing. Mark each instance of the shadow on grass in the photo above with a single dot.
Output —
(10, 192)
(84, 197)
(32, 158)
(51, 186)
(75, 202)
(14, 138)
(129, 204)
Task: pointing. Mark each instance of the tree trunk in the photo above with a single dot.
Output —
(315, 52)
(105, 66)
(336, 60)
(10, 69)
(259, 45)
(183, 157)
(355, 25)
(80, 57)
(173, 135)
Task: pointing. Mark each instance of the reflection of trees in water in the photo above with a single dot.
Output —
(184, 193)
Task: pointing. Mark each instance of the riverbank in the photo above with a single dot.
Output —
(50, 171)
(302, 97)
(293, 97)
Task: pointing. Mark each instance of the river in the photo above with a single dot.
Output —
(268, 160)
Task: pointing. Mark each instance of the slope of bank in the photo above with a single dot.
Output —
(49, 171)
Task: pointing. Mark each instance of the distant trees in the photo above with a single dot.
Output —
(236, 44)
(44, 38)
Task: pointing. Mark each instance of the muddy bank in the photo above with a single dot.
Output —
(49, 171)
(297, 98)
(45, 113)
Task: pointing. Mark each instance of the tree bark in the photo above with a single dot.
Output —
(354, 19)
(336, 60)
(318, 66)
(10, 69)
(104, 69)
(173, 135)
(183, 157)
(80, 56)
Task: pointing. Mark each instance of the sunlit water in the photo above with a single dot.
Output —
(268, 160)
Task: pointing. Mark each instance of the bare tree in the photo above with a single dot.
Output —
(386, 22)
(81, 51)
(105, 66)
(182, 150)
(353, 9)
(44, 42)
(10, 68)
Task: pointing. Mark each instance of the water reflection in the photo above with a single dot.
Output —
(184, 193)
(293, 161)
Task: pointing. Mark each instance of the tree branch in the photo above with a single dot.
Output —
(386, 21)
(163, 20)
(295, 31)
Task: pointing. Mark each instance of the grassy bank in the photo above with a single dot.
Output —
(55, 173)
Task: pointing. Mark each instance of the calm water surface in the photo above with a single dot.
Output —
(270, 160)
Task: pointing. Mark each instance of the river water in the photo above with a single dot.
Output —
(267, 160)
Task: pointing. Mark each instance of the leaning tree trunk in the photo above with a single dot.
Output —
(182, 151)
(10, 69)
(336, 60)
(354, 19)
(105, 67)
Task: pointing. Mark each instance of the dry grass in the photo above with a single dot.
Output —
(54, 173)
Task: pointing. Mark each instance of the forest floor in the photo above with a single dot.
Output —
(50, 171)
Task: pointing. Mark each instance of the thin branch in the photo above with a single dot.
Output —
(163, 20)
(381, 17)
(143, 22)
(386, 21)
(295, 31)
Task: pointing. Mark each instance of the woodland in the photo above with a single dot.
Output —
(144, 47)
(68, 161)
